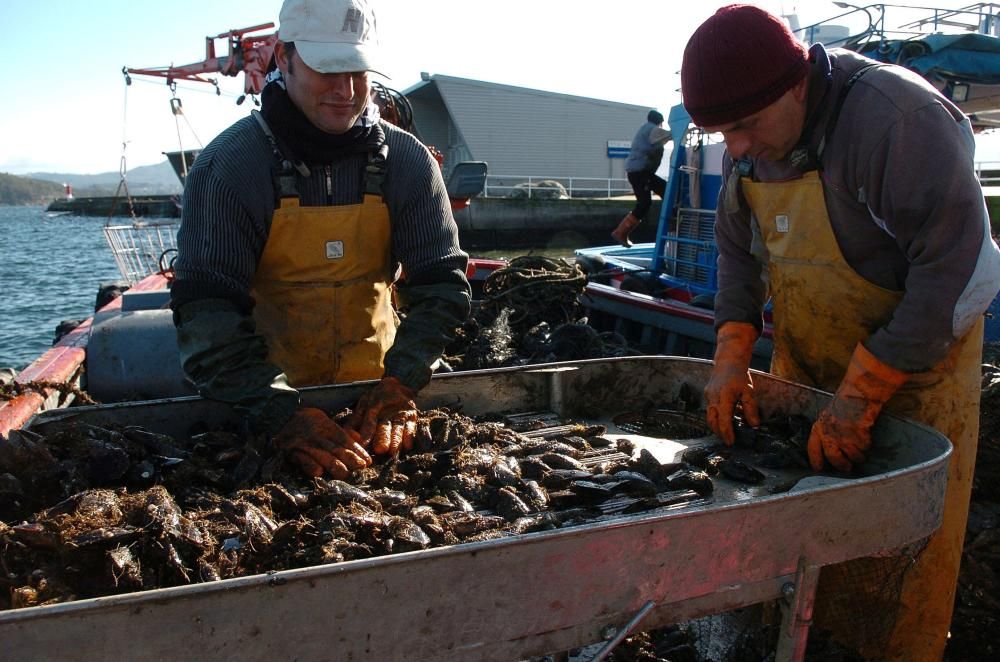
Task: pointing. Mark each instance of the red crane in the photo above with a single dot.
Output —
(249, 55)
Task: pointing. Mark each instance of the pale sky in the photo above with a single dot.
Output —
(66, 107)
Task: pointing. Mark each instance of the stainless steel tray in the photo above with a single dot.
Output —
(526, 595)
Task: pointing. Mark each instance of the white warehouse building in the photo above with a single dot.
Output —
(524, 133)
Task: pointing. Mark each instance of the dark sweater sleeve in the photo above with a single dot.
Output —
(922, 190)
(228, 202)
(434, 294)
(741, 277)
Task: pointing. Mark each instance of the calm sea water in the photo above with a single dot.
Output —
(51, 269)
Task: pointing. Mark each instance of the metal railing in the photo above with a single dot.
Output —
(551, 188)
(988, 172)
(908, 22)
(142, 248)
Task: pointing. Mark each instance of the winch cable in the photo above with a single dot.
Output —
(177, 109)
(122, 168)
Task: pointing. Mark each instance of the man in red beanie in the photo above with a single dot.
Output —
(852, 203)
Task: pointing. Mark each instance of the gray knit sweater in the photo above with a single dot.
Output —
(229, 199)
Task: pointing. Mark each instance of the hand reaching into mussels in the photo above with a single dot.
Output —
(314, 442)
(386, 418)
(730, 384)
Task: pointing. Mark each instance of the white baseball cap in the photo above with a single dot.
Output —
(331, 36)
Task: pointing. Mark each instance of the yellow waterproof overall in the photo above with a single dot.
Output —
(822, 309)
(323, 291)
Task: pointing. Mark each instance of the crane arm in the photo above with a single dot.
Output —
(249, 55)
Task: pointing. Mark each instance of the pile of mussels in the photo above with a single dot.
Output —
(90, 511)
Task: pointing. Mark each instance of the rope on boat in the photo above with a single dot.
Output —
(537, 288)
(531, 313)
(16, 389)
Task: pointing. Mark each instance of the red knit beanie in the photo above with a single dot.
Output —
(739, 61)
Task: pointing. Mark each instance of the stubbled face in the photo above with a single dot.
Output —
(332, 102)
(768, 134)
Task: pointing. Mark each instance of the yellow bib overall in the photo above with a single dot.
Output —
(323, 291)
(822, 309)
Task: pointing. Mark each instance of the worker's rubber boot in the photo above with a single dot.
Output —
(620, 233)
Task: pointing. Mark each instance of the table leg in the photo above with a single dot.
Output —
(797, 610)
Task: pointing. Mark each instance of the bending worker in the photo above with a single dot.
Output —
(295, 220)
(643, 160)
(851, 201)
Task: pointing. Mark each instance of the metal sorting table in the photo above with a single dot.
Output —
(531, 594)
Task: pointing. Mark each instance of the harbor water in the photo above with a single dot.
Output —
(51, 268)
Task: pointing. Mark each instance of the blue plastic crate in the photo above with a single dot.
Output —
(992, 332)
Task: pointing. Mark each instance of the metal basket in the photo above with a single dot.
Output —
(142, 248)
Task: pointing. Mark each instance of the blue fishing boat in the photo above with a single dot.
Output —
(956, 50)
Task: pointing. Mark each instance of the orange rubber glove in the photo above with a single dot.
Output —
(386, 417)
(842, 433)
(730, 383)
(314, 442)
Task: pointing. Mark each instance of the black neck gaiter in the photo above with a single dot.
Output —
(299, 139)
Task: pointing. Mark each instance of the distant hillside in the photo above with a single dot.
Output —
(16, 190)
(158, 179)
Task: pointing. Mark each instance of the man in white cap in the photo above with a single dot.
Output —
(296, 221)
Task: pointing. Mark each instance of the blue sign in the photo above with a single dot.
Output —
(619, 149)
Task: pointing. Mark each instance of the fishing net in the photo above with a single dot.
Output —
(857, 603)
(530, 313)
(537, 288)
(735, 636)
